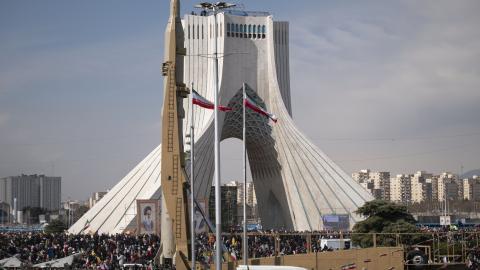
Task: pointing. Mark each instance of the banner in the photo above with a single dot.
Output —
(148, 217)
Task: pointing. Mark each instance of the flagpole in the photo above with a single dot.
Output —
(192, 176)
(245, 239)
(218, 201)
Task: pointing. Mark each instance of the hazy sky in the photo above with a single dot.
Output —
(375, 84)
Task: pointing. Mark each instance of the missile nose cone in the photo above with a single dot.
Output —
(175, 8)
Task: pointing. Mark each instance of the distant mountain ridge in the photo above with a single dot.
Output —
(471, 173)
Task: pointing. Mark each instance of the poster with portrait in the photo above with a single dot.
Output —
(200, 223)
(148, 216)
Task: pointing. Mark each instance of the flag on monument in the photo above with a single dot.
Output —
(252, 105)
(204, 103)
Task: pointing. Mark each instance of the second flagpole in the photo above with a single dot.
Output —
(192, 176)
(245, 239)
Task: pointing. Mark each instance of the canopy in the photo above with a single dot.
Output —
(58, 263)
(12, 262)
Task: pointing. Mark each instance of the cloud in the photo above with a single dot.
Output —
(393, 71)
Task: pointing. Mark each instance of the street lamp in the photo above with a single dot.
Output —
(215, 7)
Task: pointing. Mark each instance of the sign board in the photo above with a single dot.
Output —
(336, 222)
(148, 216)
(445, 220)
(254, 227)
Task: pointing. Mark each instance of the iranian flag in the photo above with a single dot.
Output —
(350, 266)
(204, 103)
(87, 224)
(252, 105)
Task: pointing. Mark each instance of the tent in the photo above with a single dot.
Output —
(58, 263)
(12, 262)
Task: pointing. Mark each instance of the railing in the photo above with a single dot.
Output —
(436, 247)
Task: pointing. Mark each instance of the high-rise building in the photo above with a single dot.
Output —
(421, 187)
(31, 191)
(361, 176)
(471, 188)
(378, 183)
(400, 188)
(435, 188)
(449, 187)
(381, 183)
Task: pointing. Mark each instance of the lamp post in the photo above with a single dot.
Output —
(215, 7)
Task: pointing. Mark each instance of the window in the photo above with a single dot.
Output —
(228, 29)
(241, 30)
(254, 31)
(189, 31)
(249, 31)
(193, 31)
(198, 32)
(245, 31)
(202, 32)
(263, 31)
(236, 30)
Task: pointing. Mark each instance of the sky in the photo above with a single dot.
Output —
(385, 85)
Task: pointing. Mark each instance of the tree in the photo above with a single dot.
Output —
(383, 217)
(55, 226)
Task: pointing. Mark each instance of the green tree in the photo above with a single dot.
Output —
(384, 217)
(55, 226)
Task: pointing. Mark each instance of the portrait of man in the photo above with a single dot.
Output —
(147, 217)
(147, 221)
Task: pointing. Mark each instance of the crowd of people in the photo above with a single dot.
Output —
(94, 251)
(261, 244)
(112, 251)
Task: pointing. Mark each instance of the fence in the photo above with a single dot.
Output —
(436, 246)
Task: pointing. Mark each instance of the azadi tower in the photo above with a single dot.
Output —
(296, 183)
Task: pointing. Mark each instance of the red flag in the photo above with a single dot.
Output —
(87, 224)
(204, 103)
(252, 105)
